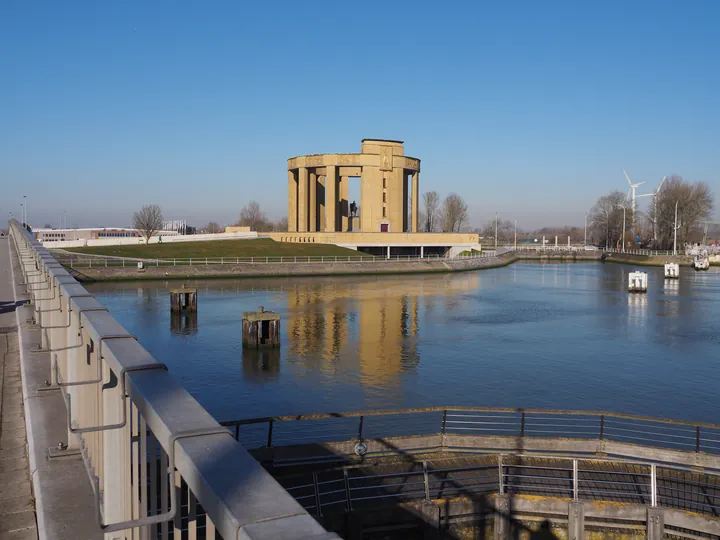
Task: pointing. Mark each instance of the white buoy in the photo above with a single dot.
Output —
(637, 282)
(672, 271)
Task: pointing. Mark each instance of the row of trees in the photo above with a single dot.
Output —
(656, 227)
(450, 216)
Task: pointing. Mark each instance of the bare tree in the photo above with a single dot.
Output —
(606, 217)
(431, 201)
(282, 224)
(213, 228)
(695, 203)
(251, 216)
(148, 220)
(454, 213)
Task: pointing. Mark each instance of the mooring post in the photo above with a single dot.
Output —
(183, 299)
(260, 328)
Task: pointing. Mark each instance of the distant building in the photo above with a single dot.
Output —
(58, 235)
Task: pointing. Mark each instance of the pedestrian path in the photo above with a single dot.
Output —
(17, 505)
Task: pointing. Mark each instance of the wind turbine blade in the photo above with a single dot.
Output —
(627, 177)
(661, 183)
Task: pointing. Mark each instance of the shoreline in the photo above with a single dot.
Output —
(429, 266)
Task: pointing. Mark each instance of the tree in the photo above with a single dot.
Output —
(431, 201)
(148, 220)
(282, 225)
(251, 216)
(48, 226)
(213, 228)
(454, 213)
(694, 202)
(606, 218)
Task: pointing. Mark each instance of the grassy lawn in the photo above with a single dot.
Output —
(262, 247)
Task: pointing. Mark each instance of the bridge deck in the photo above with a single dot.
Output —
(17, 514)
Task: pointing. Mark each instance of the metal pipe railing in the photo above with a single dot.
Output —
(157, 460)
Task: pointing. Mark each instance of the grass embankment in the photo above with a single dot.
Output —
(261, 247)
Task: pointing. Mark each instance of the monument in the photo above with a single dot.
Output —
(318, 187)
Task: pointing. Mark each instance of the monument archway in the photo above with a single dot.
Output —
(318, 190)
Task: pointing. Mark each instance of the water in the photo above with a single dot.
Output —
(529, 335)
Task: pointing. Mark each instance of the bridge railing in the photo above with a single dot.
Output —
(158, 463)
(676, 435)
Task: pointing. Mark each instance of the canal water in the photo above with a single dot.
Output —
(528, 335)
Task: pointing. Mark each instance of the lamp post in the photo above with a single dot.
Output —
(675, 229)
(515, 241)
(496, 216)
(607, 227)
(26, 210)
(623, 229)
(585, 244)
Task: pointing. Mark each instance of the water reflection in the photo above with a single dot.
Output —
(183, 324)
(261, 365)
(530, 335)
(374, 322)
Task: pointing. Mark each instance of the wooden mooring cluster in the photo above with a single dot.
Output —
(183, 300)
(260, 328)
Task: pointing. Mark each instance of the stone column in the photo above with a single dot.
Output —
(302, 207)
(312, 208)
(415, 200)
(345, 203)
(321, 202)
(292, 201)
(331, 199)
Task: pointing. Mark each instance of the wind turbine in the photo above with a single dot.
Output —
(654, 195)
(631, 195)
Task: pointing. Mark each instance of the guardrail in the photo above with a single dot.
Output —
(159, 464)
(107, 261)
(643, 483)
(676, 435)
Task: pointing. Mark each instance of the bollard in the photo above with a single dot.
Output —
(260, 328)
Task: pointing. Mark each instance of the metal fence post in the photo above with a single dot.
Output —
(653, 485)
(575, 480)
(697, 438)
(444, 422)
(348, 498)
(427, 481)
(360, 427)
(602, 427)
(522, 424)
(501, 478)
(316, 488)
(270, 434)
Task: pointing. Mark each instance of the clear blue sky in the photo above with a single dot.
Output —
(531, 109)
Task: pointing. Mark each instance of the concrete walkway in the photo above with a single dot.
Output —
(17, 505)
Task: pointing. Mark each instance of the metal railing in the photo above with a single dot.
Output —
(129, 262)
(159, 464)
(676, 435)
(614, 480)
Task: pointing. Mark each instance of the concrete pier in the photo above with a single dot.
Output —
(260, 328)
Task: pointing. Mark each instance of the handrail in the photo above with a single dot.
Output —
(149, 424)
(385, 412)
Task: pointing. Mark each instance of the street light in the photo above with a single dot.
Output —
(585, 229)
(623, 229)
(26, 212)
(496, 216)
(676, 229)
(515, 243)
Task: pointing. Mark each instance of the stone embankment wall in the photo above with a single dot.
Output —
(459, 264)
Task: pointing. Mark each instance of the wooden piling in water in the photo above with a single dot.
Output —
(183, 300)
(260, 328)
